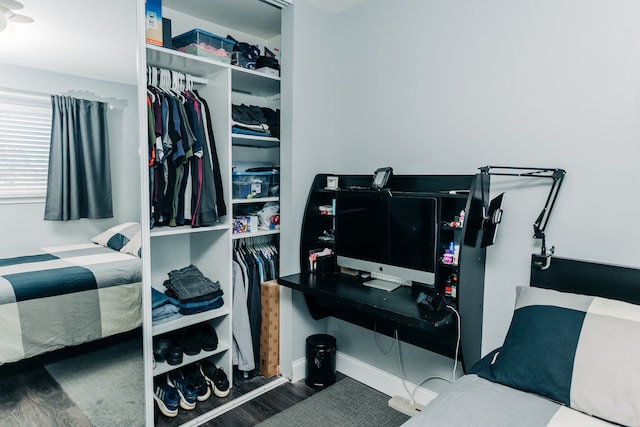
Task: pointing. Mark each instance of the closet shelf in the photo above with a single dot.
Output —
(256, 200)
(239, 140)
(243, 80)
(256, 234)
(185, 229)
(190, 320)
(164, 367)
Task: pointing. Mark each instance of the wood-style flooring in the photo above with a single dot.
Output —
(29, 396)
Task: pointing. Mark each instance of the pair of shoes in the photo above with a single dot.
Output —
(187, 391)
(192, 374)
(215, 377)
(167, 349)
(167, 398)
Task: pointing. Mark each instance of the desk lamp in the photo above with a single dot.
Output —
(542, 260)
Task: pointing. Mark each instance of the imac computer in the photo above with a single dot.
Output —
(391, 237)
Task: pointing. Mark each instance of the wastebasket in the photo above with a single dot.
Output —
(321, 360)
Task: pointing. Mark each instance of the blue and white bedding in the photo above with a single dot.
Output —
(67, 295)
(567, 360)
(475, 402)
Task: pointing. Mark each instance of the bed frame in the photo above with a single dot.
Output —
(584, 277)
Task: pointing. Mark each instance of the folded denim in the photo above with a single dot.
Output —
(189, 283)
(164, 310)
(217, 303)
(203, 298)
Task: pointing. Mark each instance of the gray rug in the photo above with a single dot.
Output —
(106, 381)
(347, 403)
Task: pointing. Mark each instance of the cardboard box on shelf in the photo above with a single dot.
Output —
(270, 329)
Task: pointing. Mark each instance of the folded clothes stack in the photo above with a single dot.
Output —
(188, 292)
(256, 121)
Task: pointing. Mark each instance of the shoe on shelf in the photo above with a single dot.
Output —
(186, 390)
(166, 398)
(175, 353)
(161, 348)
(192, 374)
(216, 378)
(207, 337)
(190, 342)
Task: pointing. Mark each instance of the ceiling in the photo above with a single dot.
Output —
(94, 39)
(97, 39)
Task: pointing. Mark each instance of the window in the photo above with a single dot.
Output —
(25, 131)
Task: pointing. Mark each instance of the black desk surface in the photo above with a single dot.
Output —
(344, 292)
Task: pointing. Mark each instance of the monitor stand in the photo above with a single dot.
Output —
(381, 284)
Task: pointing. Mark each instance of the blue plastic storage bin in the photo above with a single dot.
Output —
(251, 185)
(201, 43)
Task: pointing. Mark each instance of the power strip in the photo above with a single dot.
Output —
(405, 406)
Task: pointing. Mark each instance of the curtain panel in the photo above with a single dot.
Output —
(79, 176)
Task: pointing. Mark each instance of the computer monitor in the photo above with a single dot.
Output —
(391, 237)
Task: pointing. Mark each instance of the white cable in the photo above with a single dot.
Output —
(401, 365)
(375, 335)
(455, 363)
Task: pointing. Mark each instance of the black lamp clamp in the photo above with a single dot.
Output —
(543, 260)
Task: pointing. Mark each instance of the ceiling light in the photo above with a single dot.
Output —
(7, 14)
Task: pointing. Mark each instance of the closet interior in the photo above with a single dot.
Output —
(213, 204)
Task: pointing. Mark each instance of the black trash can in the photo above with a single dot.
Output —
(321, 360)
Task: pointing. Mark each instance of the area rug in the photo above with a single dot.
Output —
(105, 380)
(347, 403)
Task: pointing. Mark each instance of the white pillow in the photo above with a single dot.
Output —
(123, 238)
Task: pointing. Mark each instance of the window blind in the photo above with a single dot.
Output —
(24, 149)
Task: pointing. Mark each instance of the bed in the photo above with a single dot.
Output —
(56, 297)
(571, 356)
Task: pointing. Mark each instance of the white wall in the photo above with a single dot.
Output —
(23, 227)
(446, 87)
(305, 151)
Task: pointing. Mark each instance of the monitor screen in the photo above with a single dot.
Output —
(387, 235)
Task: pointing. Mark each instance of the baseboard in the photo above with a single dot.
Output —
(298, 370)
(380, 380)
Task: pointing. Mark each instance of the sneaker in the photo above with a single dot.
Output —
(193, 375)
(186, 390)
(216, 378)
(167, 399)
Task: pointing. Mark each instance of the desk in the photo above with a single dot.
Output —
(345, 297)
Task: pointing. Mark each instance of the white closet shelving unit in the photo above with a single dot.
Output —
(210, 248)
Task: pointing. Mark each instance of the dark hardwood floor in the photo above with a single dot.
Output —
(29, 396)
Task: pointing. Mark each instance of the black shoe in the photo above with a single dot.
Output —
(190, 342)
(216, 378)
(207, 337)
(161, 348)
(193, 375)
(174, 355)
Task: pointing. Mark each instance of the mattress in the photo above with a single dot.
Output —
(61, 296)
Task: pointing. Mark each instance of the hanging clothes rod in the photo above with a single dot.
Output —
(194, 79)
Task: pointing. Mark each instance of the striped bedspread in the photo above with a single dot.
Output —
(68, 295)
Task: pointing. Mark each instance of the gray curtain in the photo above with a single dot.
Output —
(79, 179)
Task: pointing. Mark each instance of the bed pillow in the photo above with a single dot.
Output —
(123, 238)
(578, 350)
